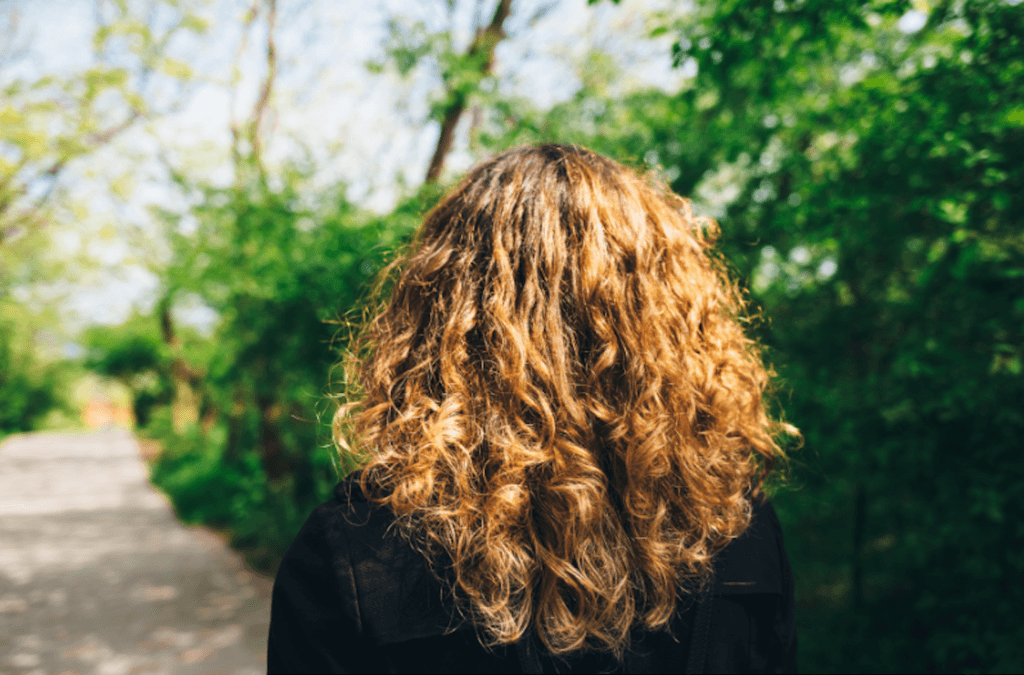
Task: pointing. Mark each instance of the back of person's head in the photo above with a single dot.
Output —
(558, 399)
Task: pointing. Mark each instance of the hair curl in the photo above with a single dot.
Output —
(558, 396)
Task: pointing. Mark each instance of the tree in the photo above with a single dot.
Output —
(860, 160)
(134, 355)
(462, 78)
(282, 267)
(463, 73)
(892, 282)
(29, 388)
(50, 121)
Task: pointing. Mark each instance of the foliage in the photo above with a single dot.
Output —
(30, 388)
(229, 492)
(410, 44)
(896, 311)
(135, 355)
(875, 216)
(464, 76)
(285, 278)
(48, 121)
(861, 159)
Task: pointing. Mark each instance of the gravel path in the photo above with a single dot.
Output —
(98, 576)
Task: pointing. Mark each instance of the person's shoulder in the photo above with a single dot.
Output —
(329, 609)
(348, 518)
(753, 562)
(352, 511)
(351, 529)
(399, 597)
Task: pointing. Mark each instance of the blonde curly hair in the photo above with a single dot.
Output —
(558, 399)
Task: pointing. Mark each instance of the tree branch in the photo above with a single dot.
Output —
(262, 103)
(252, 128)
(92, 142)
(484, 43)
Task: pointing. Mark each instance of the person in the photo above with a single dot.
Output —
(563, 441)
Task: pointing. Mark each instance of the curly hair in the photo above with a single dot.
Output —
(557, 397)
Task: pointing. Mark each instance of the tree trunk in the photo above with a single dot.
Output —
(185, 405)
(272, 450)
(247, 138)
(484, 43)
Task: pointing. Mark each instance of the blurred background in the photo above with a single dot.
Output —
(195, 194)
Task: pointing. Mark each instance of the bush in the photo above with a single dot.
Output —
(233, 495)
(29, 389)
(284, 280)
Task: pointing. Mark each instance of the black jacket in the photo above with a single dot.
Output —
(353, 597)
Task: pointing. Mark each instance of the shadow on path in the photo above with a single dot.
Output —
(98, 576)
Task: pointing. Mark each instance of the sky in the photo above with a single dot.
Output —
(369, 131)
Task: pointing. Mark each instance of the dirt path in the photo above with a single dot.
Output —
(98, 576)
